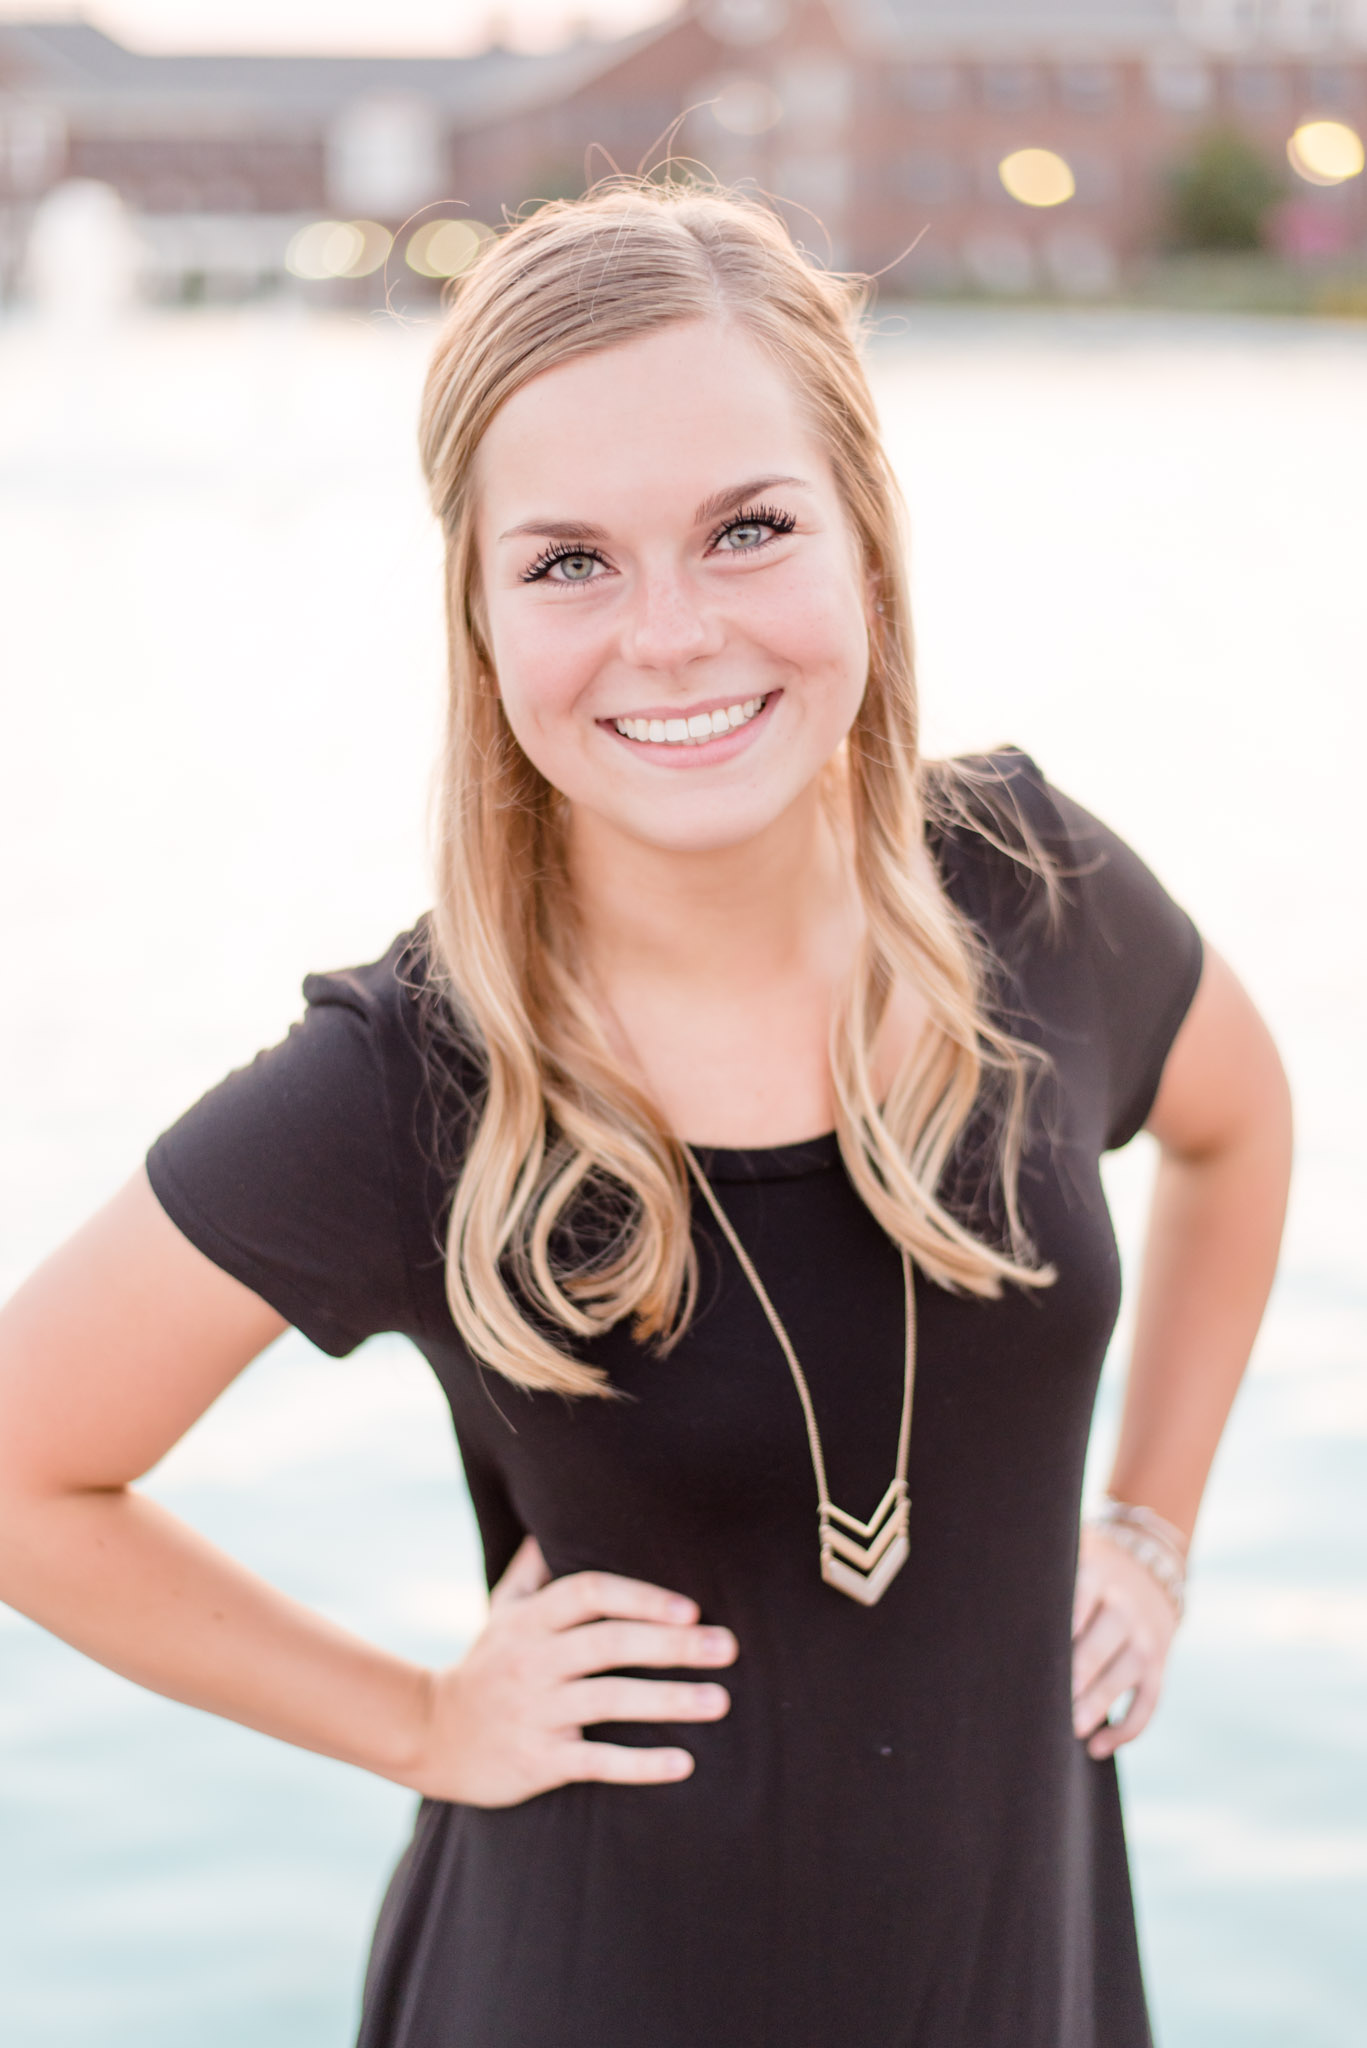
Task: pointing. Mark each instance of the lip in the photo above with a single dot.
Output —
(703, 753)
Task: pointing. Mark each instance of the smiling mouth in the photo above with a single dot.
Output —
(690, 732)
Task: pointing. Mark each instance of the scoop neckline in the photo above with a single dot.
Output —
(769, 1162)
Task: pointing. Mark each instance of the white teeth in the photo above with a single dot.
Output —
(692, 732)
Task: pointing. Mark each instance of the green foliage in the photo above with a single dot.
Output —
(1221, 195)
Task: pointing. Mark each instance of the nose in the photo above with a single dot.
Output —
(669, 622)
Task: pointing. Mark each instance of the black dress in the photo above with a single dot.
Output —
(894, 1840)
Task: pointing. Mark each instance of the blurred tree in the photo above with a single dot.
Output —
(556, 178)
(1221, 195)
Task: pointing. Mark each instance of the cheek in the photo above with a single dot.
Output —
(543, 664)
(816, 625)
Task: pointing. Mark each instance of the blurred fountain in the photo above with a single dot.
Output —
(84, 256)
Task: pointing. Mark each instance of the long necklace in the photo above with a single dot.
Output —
(858, 1558)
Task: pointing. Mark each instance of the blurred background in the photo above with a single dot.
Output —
(1123, 374)
(1202, 152)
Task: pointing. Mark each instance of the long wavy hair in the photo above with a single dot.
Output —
(571, 1209)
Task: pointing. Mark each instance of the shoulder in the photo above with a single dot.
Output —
(387, 995)
(999, 836)
(1072, 910)
(403, 1011)
(312, 1173)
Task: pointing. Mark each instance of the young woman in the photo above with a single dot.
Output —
(728, 1141)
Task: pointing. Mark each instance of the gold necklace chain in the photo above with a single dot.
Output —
(858, 1558)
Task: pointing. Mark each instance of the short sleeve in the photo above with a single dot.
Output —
(1143, 952)
(283, 1174)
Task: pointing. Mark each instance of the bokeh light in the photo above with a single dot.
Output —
(337, 248)
(1037, 177)
(444, 248)
(376, 245)
(747, 106)
(1325, 152)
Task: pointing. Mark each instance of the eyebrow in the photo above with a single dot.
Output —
(710, 508)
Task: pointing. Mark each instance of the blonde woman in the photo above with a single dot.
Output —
(727, 1139)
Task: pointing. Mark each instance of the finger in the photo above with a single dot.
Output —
(526, 1573)
(1108, 1739)
(587, 1596)
(612, 1763)
(639, 1699)
(1088, 1594)
(608, 1645)
(1103, 1638)
(1091, 1707)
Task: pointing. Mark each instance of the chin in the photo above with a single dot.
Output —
(719, 823)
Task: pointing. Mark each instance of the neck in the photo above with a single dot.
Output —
(736, 917)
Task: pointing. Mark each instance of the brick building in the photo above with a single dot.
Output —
(884, 119)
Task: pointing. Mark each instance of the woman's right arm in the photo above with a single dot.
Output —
(108, 1354)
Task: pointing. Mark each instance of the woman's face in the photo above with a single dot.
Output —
(676, 604)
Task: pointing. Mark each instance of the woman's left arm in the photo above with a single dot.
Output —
(1222, 1118)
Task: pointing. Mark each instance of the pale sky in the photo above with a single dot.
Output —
(396, 27)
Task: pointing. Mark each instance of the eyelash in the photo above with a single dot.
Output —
(754, 515)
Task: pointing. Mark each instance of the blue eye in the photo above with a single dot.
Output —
(576, 564)
(751, 530)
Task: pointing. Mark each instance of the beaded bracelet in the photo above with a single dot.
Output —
(1150, 1541)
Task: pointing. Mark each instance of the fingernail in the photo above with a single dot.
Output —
(713, 1697)
(680, 1764)
(718, 1642)
(682, 1610)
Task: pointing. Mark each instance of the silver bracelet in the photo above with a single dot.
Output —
(1150, 1541)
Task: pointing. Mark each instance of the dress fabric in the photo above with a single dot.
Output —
(894, 1840)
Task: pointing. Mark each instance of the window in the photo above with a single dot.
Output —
(1332, 85)
(1306, 24)
(1179, 85)
(1000, 261)
(927, 177)
(1257, 88)
(1080, 262)
(34, 141)
(930, 88)
(1097, 177)
(1010, 88)
(1226, 21)
(1090, 88)
(821, 180)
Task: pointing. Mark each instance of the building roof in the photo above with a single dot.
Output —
(77, 67)
(976, 24)
(1103, 26)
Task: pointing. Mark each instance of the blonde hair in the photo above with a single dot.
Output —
(571, 1206)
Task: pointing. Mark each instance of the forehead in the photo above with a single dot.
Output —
(680, 411)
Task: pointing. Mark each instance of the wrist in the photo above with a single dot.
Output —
(1158, 1545)
(401, 1750)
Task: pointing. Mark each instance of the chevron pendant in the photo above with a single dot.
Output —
(861, 1559)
